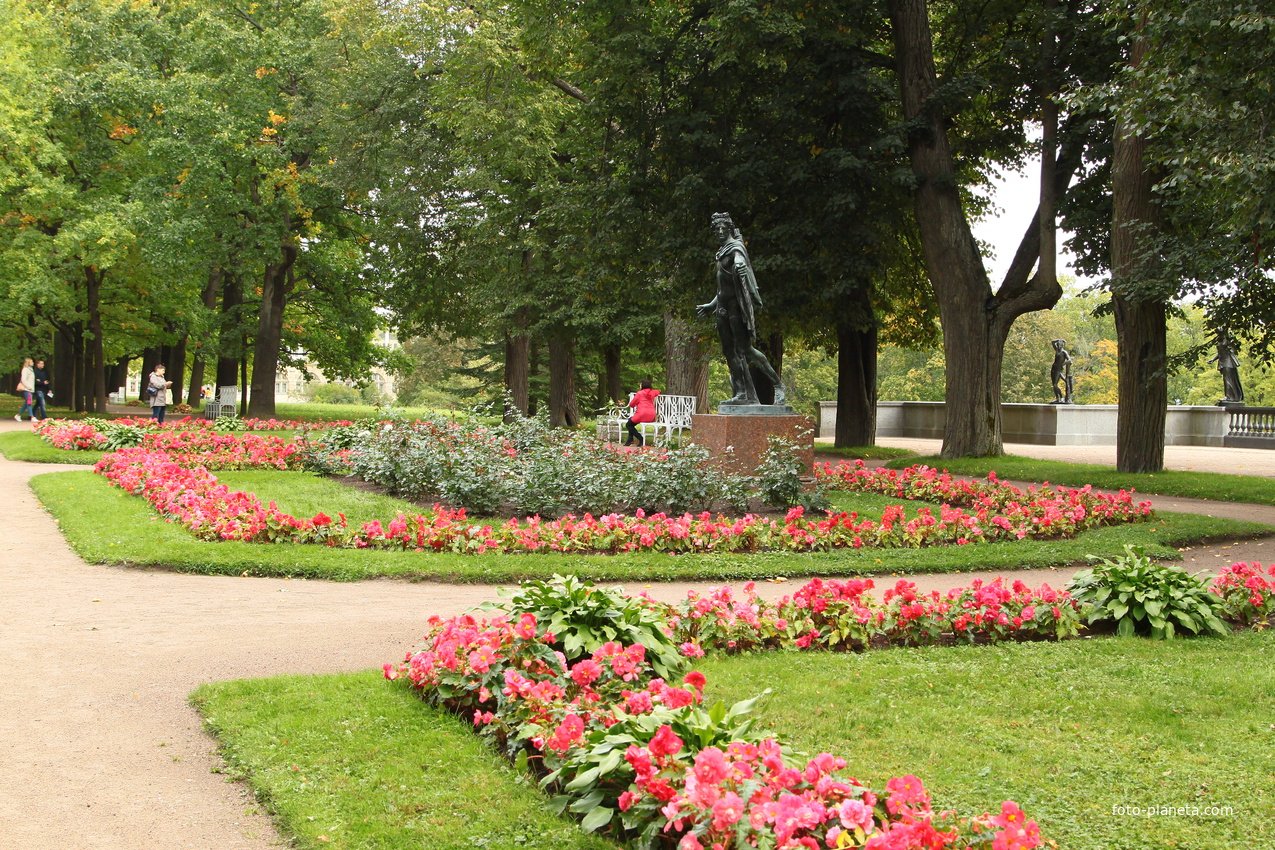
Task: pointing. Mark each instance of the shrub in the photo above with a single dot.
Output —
(334, 394)
(1142, 597)
(778, 476)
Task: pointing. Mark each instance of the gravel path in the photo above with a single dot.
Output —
(100, 748)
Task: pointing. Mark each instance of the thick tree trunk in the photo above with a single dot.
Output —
(975, 320)
(518, 366)
(63, 366)
(150, 356)
(1143, 391)
(83, 384)
(857, 378)
(564, 410)
(265, 354)
(202, 349)
(117, 374)
(612, 389)
(229, 344)
(96, 353)
(685, 361)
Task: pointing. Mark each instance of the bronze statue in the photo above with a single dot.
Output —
(1060, 373)
(735, 307)
(1229, 365)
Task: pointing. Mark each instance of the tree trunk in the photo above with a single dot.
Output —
(975, 320)
(202, 349)
(685, 361)
(63, 366)
(612, 389)
(229, 344)
(117, 374)
(83, 385)
(518, 366)
(150, 356)
(265, 354)
(1143, 390)
(857, 379)
(96, 354)
(564, 411)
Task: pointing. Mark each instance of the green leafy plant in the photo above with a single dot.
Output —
(778, 476)
(1143, 597)
(584, 616)
(229, 424)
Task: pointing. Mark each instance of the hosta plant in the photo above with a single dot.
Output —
(1142, 597)
(584, 617)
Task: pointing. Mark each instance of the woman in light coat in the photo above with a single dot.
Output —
(26, 389)
(157, 388)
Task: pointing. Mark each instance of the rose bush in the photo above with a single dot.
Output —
(1248, 595)
(93, 433)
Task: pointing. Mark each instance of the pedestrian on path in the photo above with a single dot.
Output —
(26, 389)
(158, 390)
(43, 390)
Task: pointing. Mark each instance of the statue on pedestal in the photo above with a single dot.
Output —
(735, 306)
(1060, 374)
(1229, 365)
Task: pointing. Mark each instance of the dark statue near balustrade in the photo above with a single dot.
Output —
(1229, 365)
(1060, 374)
(735, 307)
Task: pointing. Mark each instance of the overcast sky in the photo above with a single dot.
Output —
(1015, 195)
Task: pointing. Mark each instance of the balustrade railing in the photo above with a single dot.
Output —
(1251, 422)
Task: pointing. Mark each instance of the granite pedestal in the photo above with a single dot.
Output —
(748, 437)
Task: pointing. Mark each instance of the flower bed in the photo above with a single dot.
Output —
(74, 435)
(161, 470)
(845, 615)
(1248, 596)
(644, 759)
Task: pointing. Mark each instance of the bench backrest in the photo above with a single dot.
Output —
(676, 410)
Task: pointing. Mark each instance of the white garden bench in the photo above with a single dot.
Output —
(672, 416)
(225, 403)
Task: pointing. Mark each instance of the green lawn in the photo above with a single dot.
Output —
(312, 412)
(857, 452)
(102, 522)
(1067, 730)
(23, 445)
(1192, 485)
(349, 761)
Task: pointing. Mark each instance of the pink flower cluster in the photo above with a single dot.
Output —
(246, 424)
(1248, 594)
(70, 435)
(695, 790)
(992, 500)
(844, 615)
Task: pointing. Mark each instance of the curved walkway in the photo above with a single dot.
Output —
(100, 748)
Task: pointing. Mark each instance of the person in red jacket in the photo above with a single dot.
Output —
(643, 404)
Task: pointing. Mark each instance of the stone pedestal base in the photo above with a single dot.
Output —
(747, 435)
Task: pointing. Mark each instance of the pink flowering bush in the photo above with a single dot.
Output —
(645, 760)
(1247, 594)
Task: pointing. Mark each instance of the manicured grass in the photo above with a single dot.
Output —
(1191, 485)
(310, 412)
(856, 452)
(23, 445)
(349, 761)
(1067, 730)
(105, 525)
(304, 495)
